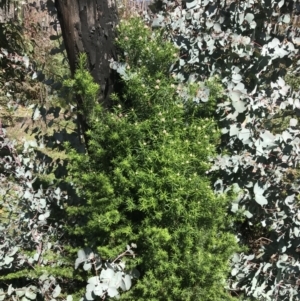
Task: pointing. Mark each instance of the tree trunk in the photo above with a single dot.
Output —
(88, 26)
(7, 11)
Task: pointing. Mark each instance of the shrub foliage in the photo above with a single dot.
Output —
(145, 179)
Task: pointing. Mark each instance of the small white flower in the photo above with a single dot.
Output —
(156, 87)
(172, 86)
(143, 86)
(157, 48)
(119, 106)
(159, 114)
(116, 39)
(157, 81)
(175, 54)
(128, 67)
(145, 94)
(126, 38)
(140, 38)
(163, 119)
(174, 119)
(164, 131)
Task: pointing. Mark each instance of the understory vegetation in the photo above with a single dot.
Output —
(144, 179)
(184, 188)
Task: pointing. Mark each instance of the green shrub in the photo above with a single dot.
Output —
(145, 180)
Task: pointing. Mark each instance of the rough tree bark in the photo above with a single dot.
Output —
(7, 11)
(88, 26)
